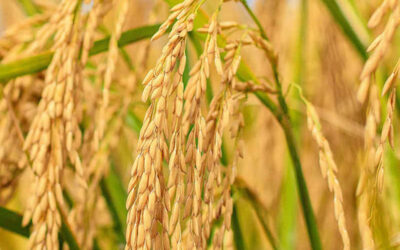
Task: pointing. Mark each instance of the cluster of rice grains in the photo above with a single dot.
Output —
(372, 174)
(328, 169)
(49, 109)
(54, 134)
(180, 188)
(19, 102)
(178, 212)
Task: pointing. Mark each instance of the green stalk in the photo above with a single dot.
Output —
(308, 212)
(237, 231)
(307, 209)
(284, 120)
(261, 218)
(115, 195)
(255, 19)
(287, 214)
(12, 221)
(37, 63)
(259, 209)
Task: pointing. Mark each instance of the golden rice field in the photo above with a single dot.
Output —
(199, 124)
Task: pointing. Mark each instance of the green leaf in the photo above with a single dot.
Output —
(127, 37)
(312, 227)
(37, 63)
(288, 209)
(29, 7)
(237, 231)
(259, 210)
(349, 22)
(12, 221)
(115, 196)
(67, 235)
(133, 122)
(25, 66)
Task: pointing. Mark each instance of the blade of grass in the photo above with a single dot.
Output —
(124, 54)
(69, 201)
(127, 37)
(287, 213)
(237, 230)
(12, 221)
(25, 66)
(133, 122)
(307, 209)
(260, 210)
(115, 196)
(37, 63)
(67, 236)
(347, 26)
(359, 20)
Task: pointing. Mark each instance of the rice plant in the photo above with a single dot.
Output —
(199, 124)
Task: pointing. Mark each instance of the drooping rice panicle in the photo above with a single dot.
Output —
(54, 135)
(328, 168)
(148, 201)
